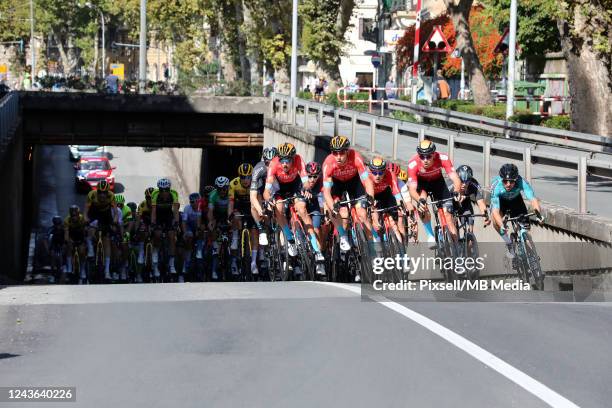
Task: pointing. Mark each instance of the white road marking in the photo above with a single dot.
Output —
(515, 375)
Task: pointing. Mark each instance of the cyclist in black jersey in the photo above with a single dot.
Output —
(258, 184)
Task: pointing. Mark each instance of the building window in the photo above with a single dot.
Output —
(364, 79)
(365, 25)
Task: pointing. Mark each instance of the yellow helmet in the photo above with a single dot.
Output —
(403, 175)
(286, 150)
(245, 170)
(338, 143)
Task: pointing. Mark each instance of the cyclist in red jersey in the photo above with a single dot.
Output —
(425, 177)
(344, 170)
(386, 192)
(289, 170)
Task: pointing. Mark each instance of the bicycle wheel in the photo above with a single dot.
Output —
(245, 256)
(470, 250)
(533, 262)
(284, 260)
(451, 252)
(333, 261)
(363, 255)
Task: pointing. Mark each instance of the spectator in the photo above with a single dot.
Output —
(443, 87)
(390, 89)
(307, 89)
(320, 89)
(27, 79)
(112, 83)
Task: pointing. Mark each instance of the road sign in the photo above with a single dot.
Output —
(502, 46)
(437, 41)
(118, 69)
(376, 60)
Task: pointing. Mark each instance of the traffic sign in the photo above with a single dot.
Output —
(437, 41)
(376, 60)
(502, 46)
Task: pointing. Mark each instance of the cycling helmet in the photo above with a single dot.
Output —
(426, 146)
(193, 197)
(269, 153)
(313, 168)
(208, 189)
(339, 143)
(132, 206)
(394, 168)
(377, 163)
(403, 175)
(56, 220)
(465, 173)
(103, 186)
(164, 183)
(245, 170)
(286, 150)
(509, 172)
(119, 199)
(74, 210)
(222, 182)
(149, 191)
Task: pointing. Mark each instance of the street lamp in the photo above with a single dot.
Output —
(294, 41)
(94, 7)
(511, 61)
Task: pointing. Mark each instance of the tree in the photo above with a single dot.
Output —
(459, 11)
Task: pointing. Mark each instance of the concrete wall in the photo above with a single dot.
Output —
(185, 166)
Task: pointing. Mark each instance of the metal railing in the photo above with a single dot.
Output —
(9, 115)
(537, 134)
(285, 108)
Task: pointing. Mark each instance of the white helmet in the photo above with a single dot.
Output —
(164, 183)
(221, 182)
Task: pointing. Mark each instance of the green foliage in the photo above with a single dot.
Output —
(304, 95)
(563, 122)
(526, 118)
(332, 99)
(405, 116)
(276, 50)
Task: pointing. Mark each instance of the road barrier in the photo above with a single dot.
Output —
(532, 155)
(9, 116)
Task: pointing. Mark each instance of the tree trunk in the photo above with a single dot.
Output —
(589, 76)
(459, 11)
(245, 66)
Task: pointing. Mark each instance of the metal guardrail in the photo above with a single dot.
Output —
(537, 134)
(285, 108)
(9, 115)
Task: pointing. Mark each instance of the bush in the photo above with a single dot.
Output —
(408, 117)
(495, 112)
(332, 99)
(526, 118)
(563, 122)
(406, 98)
(304, 95)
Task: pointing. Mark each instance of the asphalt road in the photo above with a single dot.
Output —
(552, 184)
(299, 345)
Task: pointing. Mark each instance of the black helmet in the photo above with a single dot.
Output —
(509, 171)
(56, 220)
(465, 173)
(149, 191)
(132, 206)
(73, 210)
(426, 146)
(193, 197)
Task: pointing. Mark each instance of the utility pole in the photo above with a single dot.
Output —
(142, 74)
(294, 45)
(415, 56)
(511, 61)
(32, 48)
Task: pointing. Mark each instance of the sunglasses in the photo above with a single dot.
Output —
(509, 181)
(313, 176)
(286, 161)
(425, 156)
(340, 153)
(377, 172)
(245, 177)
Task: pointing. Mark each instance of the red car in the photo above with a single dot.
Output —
(90, 170)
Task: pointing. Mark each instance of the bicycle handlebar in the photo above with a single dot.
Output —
(353, 200)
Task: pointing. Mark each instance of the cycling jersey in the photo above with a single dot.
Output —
(389, 181)
(99, 203)
(472, 190)
(500, 195)
(276, 172)
(218, 203)
(164, 203)
(238, 192)
(76, 228)
(417, 171)
(260, 173)
(333, 171)
(126, 214)
(144, 211)
(191, 215)
(55, 237)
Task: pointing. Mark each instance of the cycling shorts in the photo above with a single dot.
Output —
(386, 199)
(513, 208)
(244, 208)
(437, 190)
(165, 219)
(353, 187)
(286, 190)
(104, 218)
(314, 209)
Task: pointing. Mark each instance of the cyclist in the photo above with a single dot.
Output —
(218, 202)
(56, 245)
(506, 199)
(471, 192)
(126, 223)
(240, 203)
(191, 224)
(386, 192)
(313, 193)
(425, 177)
(345, 171)
(289, 171)
(165, 218)
(100, 214)
(143, 222)
(258, 184)
(74, 235)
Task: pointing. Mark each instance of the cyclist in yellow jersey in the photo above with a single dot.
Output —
(164, 217)
(240, 203)
(126, 229)
(141, 227)
(74, 235)
(100, 214)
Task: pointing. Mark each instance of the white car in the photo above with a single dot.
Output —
(76, 151)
